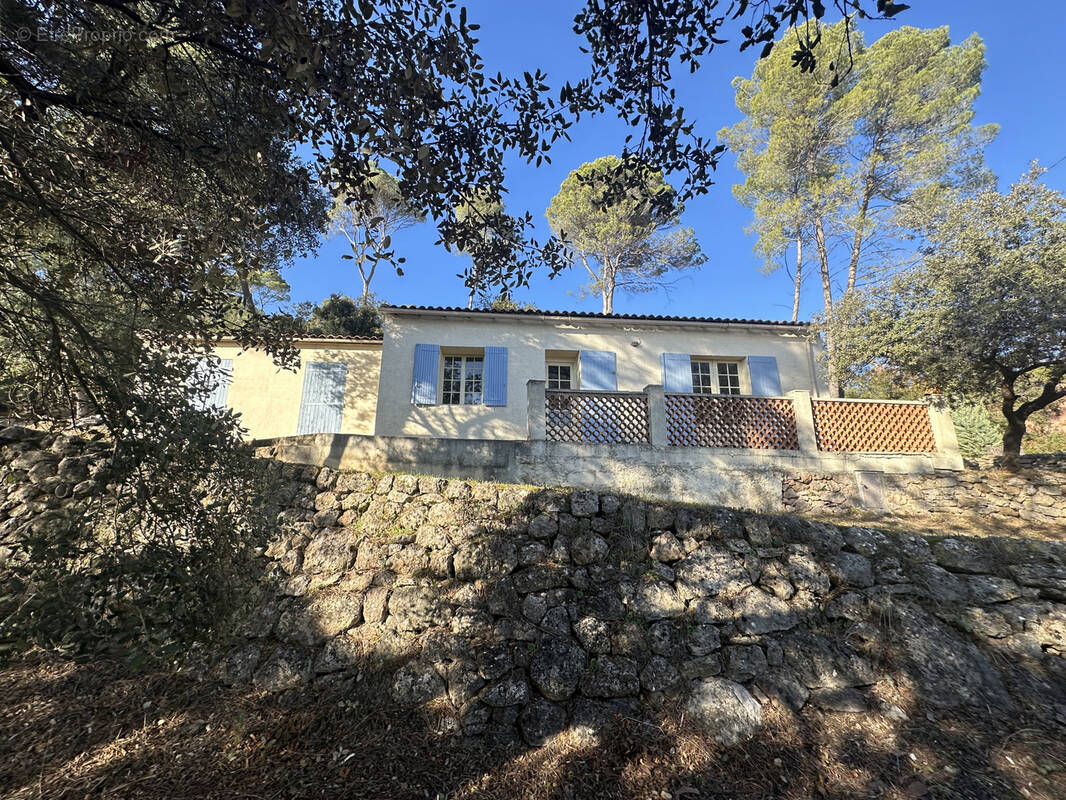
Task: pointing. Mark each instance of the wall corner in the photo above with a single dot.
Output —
(535, 411)
(947, 444)
(658, 435)
(801, 404)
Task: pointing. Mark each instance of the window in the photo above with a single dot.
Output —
(215, 379)
(728, 377)
(463, 380)
(702, 381)
(560, 376)
(715, 377)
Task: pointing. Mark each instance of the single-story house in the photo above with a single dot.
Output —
(458, 373)
(724, 411)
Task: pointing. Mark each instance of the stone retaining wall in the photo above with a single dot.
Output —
(744, 478)
(520, 609)
(514, 610)
(1034, 493)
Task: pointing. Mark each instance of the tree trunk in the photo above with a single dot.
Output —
(608, 286)
(359, 247)
(856, 244)
(1017, 417)
(476, 279)
(835, 389)
(246, 291)
(1012, 442)
(799, 279)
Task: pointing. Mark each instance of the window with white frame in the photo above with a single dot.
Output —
(702, 377)
(715, 377)
(728, 377)
(561, 376)
(462, 380)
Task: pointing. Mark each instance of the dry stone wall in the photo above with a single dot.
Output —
(525, 611)
(520, 611)
(1035, 493)
(44, 478)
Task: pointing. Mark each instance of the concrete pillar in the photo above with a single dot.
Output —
(535, 415)
(657, 432)
(801, 402)
(943, 428)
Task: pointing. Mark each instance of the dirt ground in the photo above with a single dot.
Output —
(95, 730)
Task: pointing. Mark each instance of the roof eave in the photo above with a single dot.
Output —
(592, 318)
(319, 340)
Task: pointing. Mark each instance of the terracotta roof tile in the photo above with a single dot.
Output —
(596, 315)
(323, 338)
(333, 337)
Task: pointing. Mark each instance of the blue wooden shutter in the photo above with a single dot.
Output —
(677, 373)
(598, 371)
(322, 405)
(495, 376)
(765, 380)
(424, 386)
(224, 375)
(217, 379)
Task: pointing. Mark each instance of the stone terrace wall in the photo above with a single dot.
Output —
(520, 611)
(511, 609)
(44, 477)
(1035, 493)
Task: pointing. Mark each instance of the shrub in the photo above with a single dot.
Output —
(976, 432)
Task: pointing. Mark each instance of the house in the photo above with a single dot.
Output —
(726, 411)
(458, 373)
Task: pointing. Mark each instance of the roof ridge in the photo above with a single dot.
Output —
(597, 315)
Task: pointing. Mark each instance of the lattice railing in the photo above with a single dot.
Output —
(596, 417)
(705, 420)
(870, 426)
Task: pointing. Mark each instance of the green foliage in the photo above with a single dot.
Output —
(974, 429)
(844, 163)
(338, 315)
(634, 46)
(121, 575)
(626, 242)
(504, 302)
(984, 314)
(789, 145)
(262, 289)
(1046, 430)
(1052, 442)
(881, 381)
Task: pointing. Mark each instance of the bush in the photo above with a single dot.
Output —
(1050, 442)
(976, 432)
(157, 557)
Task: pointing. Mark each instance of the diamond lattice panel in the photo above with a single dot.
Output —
(860, 426)
(596, 417)
(761, 423)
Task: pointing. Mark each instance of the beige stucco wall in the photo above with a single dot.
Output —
(527, 339)
(268, 398)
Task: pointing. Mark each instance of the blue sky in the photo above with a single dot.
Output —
(1021, 91)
